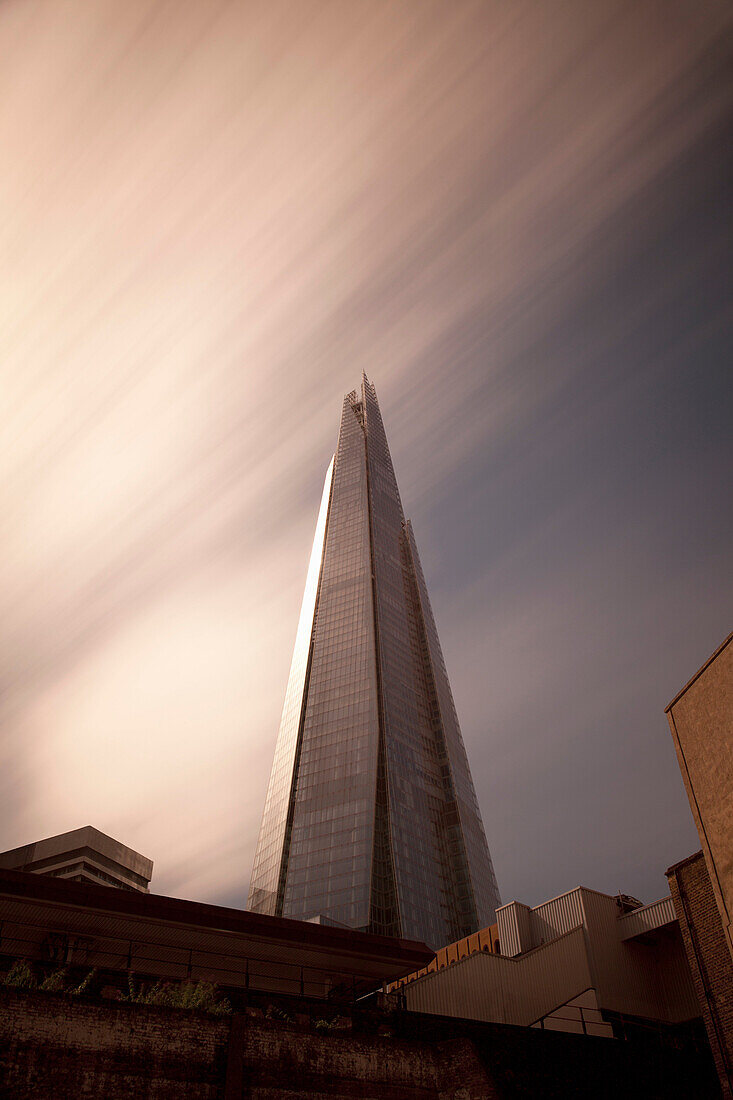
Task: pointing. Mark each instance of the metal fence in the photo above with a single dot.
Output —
(148, 959)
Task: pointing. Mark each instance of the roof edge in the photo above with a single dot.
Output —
(699, 672)
(683, 863)
(135, 904)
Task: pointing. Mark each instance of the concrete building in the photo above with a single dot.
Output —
(371, 816)
(701, 721)
(83, 855)
(583, 962)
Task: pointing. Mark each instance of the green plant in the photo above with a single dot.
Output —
(198, 996)
(20, 976)
(162, 993)
(55, 982)
(87, 984)
(203, 997)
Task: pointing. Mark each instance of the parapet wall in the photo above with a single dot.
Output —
(55, 1046)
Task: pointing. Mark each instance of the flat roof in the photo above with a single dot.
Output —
(130, 915)
(84, 837)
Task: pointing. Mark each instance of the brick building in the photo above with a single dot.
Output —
(701, 722)
(707, 953)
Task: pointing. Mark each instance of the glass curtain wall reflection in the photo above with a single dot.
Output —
(371, 818)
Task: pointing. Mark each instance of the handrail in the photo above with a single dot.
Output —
(138, 955)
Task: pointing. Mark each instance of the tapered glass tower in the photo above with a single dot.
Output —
(371, 817)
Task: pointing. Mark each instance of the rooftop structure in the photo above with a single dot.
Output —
(83, 855)
(583, 962)
(46, 920)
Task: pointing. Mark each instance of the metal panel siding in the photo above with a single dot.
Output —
(506, 919)
(514, 921)
(556, 917)
(647, 918)
(522, 928)
(651, 980)
(504, 990)
(634, 978)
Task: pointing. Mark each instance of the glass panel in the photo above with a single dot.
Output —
(266, 872)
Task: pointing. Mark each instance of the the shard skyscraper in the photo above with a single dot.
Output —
(371, 817)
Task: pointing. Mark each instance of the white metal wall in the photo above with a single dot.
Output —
(515, 928)
(646, 919)
(504, 990)
(641, 979)
(569, 944)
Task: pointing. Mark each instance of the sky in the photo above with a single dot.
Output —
(213, 217)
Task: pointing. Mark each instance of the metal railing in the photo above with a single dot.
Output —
(148, 959)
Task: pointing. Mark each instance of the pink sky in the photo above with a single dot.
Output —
(214, 216)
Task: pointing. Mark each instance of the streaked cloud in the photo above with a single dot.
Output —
(212, 218)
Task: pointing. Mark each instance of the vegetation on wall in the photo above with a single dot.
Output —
(197, 996)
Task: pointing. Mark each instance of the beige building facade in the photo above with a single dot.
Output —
(701, 721)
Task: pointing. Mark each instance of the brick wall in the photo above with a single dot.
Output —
(53, 1047)
(278, 1059)
(709, 958)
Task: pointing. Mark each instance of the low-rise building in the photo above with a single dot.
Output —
(584, 962)
(707, 951)
(701, 722)
(83, 855)
(50, 923)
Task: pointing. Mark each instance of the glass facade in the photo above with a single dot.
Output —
(371, 817)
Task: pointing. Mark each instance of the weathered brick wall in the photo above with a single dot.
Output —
(709, 958)
(278, 1060)
(55, 1047)
(52, 1046)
